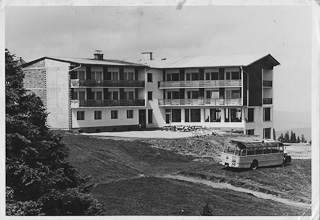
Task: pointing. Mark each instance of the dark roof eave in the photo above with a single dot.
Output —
(275, 62)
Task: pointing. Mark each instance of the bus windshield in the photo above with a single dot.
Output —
(230, 148)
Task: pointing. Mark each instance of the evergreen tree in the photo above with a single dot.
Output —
(281, 138)
(36, 168)
(303, 140)
(298, 139)
(286, 137)
(274, 135)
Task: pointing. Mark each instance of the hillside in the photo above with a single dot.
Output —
(137, 177)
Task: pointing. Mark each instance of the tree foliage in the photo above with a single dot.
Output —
(292, 138)
(36, 165)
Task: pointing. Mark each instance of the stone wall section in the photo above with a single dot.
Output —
(35, 80)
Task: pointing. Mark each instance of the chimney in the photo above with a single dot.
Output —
(98, 55)
(146, 57)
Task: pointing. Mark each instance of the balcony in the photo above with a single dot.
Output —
(200, 102)
(77, 83)
(267, 84)
(267, 101)
(106, 103)
(200, 84)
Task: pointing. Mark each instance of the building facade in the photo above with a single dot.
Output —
(95, 95)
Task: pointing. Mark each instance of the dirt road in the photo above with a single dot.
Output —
(239, 189)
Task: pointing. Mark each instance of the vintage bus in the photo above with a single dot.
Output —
(241, 154)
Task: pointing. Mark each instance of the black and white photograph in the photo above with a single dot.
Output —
(160, 109)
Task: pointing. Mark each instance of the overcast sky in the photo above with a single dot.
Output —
(123, 32)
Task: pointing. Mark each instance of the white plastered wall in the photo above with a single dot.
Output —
(57, 87)
(158, 118)
(106, 120)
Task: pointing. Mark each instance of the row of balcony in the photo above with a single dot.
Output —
(162, 102)
(76, 83)
(200, 84)
(200, 102)
(106, 103)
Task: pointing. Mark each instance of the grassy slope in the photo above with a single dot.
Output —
(156, 196)
(115, 165)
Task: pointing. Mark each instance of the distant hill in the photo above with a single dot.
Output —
(298, 131)
(290, 120)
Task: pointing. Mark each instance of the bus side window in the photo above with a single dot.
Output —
(250, 152)
(259, 151)
(267, 150)
(274, 150)
(244, 152)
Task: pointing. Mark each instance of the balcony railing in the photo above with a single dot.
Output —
(106, 103)
(199, 84)
(267, 101)
(76, 83)
(201, 102)
(267, 83)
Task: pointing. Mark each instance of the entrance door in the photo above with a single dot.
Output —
(142, 118)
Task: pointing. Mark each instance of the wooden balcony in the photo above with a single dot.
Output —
(200, 102)
(200, 84)
(267, 101)
(106, 103)
(267, 84)
(78, 83)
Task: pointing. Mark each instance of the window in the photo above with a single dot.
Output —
(80, 74)
(215, 115)
(150, 115)
(130, 95)
(128, 76)
(129, 113)
(235, 75)
(115, 95)
(192, 94)
(212, 76)
(80, 115)
(96, 75)
(233, 115)
(82, 95)
(114, 114)
(188, 77)
(149, 95)
(98, 95)
(149, 77)
(73, 75)
(195, 115)
(235, 94)
(97, 115)
(266, 114)
(75, 95)
(250, 114)
(267, 133)
(176, 115)
(250, 132)
(195, 76)
(114, 76)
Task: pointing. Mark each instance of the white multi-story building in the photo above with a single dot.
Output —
(94, 95)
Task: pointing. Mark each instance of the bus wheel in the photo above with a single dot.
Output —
(254, 165)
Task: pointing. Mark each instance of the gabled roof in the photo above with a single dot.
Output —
(208, 61)
(88, 61)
